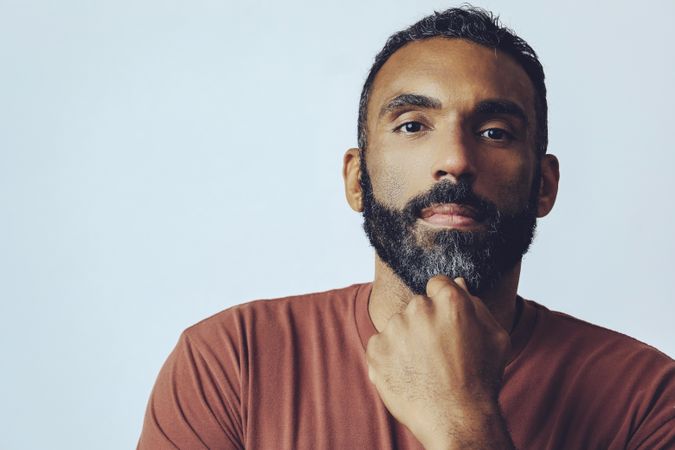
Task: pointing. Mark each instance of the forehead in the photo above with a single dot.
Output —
(458, 72)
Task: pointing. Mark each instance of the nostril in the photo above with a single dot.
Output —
(447, 175)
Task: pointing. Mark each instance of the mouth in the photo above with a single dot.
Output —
(451, 215)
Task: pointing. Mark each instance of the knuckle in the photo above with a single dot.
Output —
(416, 304)
(395, 322)
(447, 290)
(438, 283)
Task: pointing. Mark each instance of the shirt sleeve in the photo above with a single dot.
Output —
(656, 428)
(195, 401)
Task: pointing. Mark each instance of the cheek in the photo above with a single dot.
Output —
(394, 178)
(388, 186)
(514, 186)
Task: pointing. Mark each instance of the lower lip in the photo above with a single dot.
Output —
(451, 220)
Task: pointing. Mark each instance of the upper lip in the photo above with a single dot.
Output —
(450, 209)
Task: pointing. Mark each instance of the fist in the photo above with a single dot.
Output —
(437, 366)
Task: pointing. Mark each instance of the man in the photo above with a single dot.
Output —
(439, 351)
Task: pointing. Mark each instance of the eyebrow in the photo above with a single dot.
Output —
(407, 100)
(500, 106)
(485, 107)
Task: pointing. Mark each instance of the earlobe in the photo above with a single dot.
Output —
(351, 173)
(548, 187)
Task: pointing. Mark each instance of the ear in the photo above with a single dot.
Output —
(351, 173)
(548, 188)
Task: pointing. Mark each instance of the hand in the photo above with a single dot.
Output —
(438, 365)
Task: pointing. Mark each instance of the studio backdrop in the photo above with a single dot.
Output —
(163, 160)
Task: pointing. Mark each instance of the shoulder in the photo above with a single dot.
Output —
(271, 316)
(606, 367)
(585, 337)
(563, 344)
(610, 354)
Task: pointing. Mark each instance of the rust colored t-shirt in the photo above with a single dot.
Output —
(291, 373)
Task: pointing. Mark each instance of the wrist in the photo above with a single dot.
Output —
(480, 426)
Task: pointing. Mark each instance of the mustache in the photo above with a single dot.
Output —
(447, 192)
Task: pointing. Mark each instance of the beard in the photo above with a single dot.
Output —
(416, 253)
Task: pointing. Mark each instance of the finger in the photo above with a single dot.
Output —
(444, 292)
(417, 303)
(462, 283)
(439, 284)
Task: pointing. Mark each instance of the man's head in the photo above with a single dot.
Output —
(451, 172)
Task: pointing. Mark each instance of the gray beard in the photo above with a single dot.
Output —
(416, 253)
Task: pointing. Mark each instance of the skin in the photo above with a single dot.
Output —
(438, 358)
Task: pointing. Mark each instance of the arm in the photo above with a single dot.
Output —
(194, 403)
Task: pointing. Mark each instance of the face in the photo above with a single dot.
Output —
(450, 179)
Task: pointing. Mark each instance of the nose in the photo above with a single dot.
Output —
(454, 159)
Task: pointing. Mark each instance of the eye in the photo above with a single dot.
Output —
(496, 134)
(409, 127)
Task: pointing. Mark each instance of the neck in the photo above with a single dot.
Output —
(390, 296)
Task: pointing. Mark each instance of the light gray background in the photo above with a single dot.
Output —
(162, 160)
